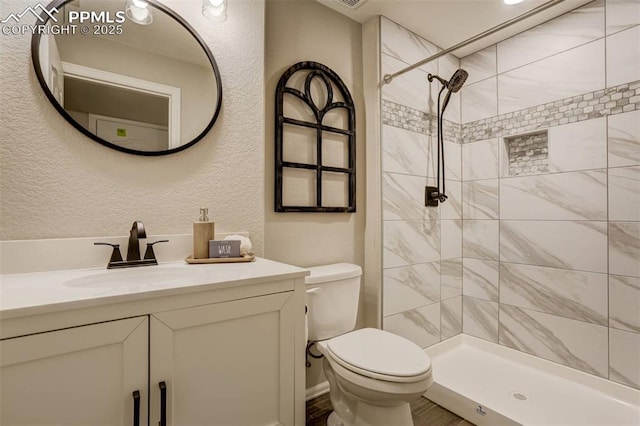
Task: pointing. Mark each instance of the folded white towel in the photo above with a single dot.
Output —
(245, 243)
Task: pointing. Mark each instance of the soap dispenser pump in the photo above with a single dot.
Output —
(203, 232)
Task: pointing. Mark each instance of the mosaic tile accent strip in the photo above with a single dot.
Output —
(404, 117)
(528, 154)
(614, 100)
(611, 101)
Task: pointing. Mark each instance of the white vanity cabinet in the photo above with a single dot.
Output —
(79, 376)
(226, 353)
(225, 364)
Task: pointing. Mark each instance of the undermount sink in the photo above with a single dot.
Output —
(134, 277)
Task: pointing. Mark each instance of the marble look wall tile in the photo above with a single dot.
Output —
(577, 344)
(421, 326)
(624, 193)
(452, 208)
(566, 74)
(560, 196)
(453, 160)
(570, 30)
(624, 365)
(404, 151)
(480, 65)
(624, 303)
(450, 317)
(578, 245)
(451, 247)
(402, 44)
(480, 199)
(479, 100)
(409, 242)
(480, 279)
(624, 248)
(570, 294)
(403, 198)
(578, 146)
(447, 65)
(480, 160)
(432, 155)
(453, 112)
(480, 239)
(622, 14)
(480, 318)
(410, 287)
(623, 57)
(450, 278)
(411, 89)
(624, 139)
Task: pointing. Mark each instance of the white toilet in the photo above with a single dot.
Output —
(373, 374)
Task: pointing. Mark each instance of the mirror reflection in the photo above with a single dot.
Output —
(142, 83)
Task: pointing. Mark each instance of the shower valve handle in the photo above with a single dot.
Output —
(439, 196)
(433, 195)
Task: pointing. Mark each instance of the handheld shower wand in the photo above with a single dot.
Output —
(455, 83)
(432, 193)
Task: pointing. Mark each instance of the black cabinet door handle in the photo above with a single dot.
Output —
(136, 408)
(163, 403)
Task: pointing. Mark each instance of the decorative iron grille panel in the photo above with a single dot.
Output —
(315, 142)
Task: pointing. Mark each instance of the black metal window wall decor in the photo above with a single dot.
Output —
(315, 142)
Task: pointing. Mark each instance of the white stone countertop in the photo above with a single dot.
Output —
(53, 291)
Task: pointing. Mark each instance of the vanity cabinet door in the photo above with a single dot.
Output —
(77, 376)
(226, 364)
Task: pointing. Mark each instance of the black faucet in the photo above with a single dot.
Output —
(137, 232)
(133, 251)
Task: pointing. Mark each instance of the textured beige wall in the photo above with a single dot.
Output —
(57, 183)
(298, 30)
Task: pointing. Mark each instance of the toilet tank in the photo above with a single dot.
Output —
(332, 298)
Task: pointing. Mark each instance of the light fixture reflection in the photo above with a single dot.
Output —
(215, 9)
(512, 1)
(138, 11)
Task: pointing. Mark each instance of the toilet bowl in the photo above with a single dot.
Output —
(373, 374)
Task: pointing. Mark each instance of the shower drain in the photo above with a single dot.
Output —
(519, 396)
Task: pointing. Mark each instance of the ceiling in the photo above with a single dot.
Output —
(165, 36)
(448, 22)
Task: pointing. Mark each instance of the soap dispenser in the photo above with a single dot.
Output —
(203, 231)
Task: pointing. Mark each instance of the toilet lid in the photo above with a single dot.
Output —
(380, 352)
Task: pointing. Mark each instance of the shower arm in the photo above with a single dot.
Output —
(389, 77)
(430, 77)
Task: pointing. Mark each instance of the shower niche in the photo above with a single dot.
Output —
(526, 154)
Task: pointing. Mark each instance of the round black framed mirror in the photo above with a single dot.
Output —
(130, 74)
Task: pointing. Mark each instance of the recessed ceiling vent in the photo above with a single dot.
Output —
(351, 4)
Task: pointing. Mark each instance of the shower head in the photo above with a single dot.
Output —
(454, 84)
(457, 80)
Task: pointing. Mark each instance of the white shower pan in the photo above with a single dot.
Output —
(491, 385)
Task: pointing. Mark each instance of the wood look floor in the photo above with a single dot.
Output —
(425, 413)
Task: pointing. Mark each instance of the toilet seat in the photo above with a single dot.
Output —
(380, 355)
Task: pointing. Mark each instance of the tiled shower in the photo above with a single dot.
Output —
(538, 247)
